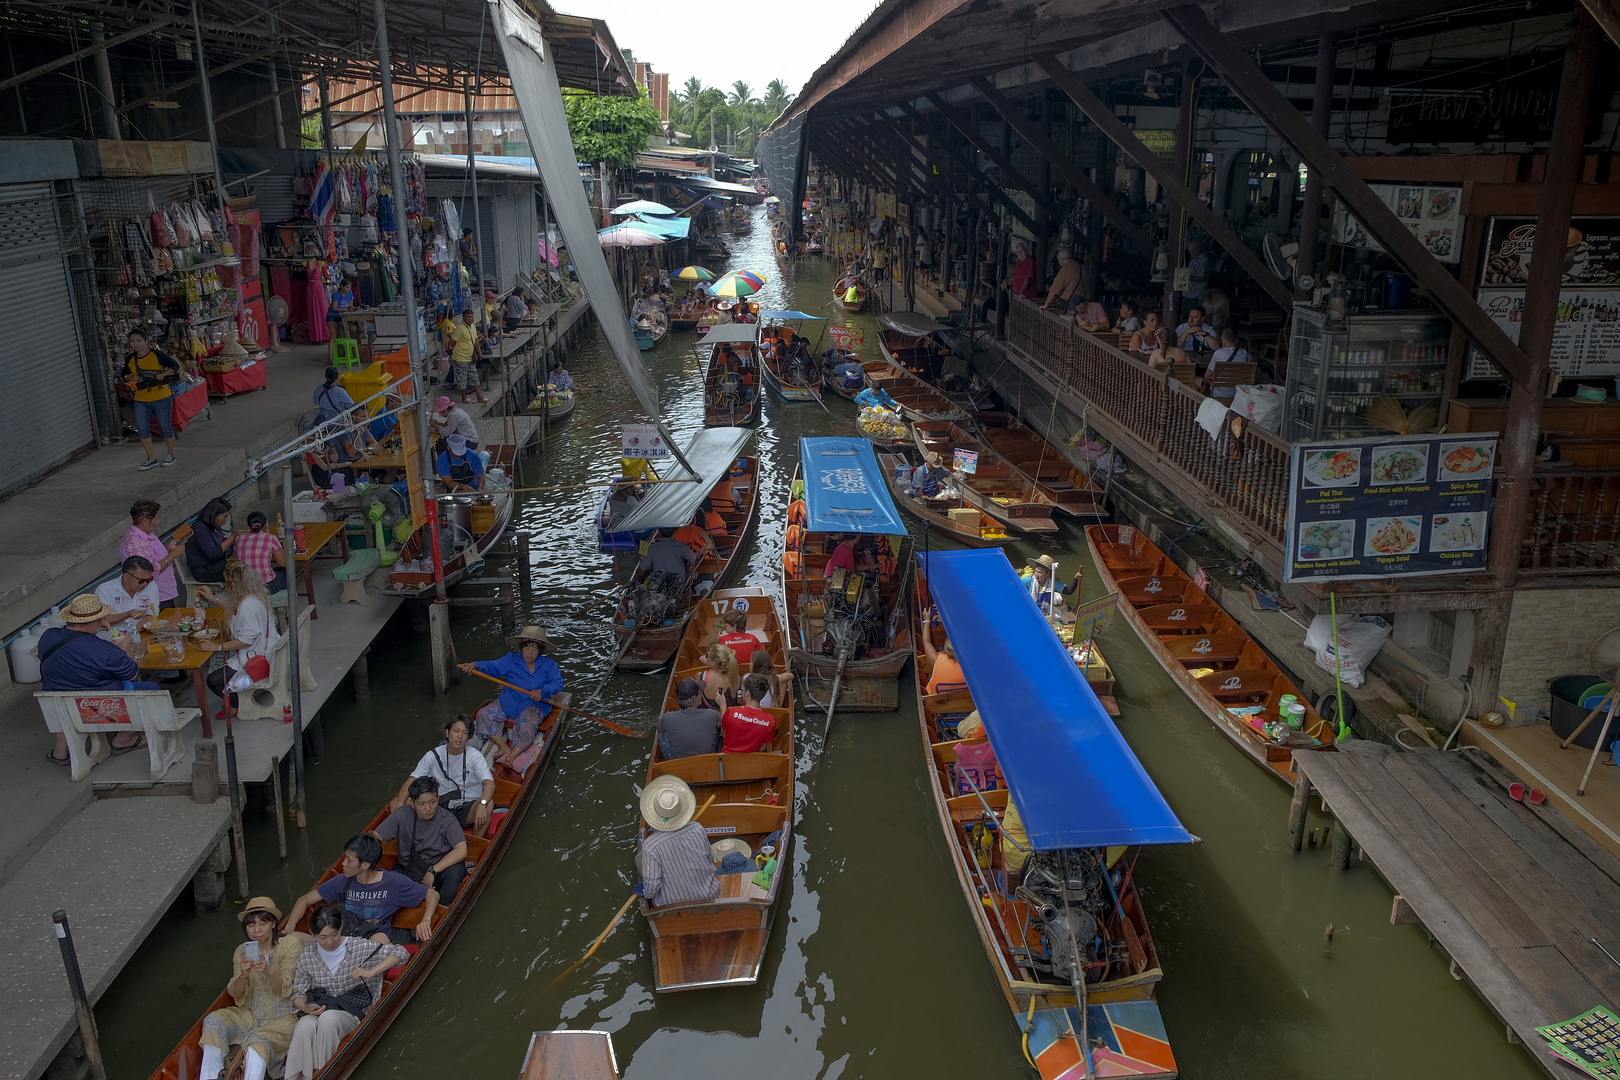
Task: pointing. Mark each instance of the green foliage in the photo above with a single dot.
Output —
(609, 128)
(746, 116)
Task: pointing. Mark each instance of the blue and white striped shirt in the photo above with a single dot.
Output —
(678, 867)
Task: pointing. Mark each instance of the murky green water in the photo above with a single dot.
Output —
(874, 968)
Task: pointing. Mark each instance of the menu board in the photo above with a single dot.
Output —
(1398, 506)
(1429, 213)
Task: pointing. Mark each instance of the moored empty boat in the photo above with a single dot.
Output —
(1068, 487)
(990, 483)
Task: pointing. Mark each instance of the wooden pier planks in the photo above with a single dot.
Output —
(1497, 883)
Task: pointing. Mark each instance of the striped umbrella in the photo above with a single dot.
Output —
(738, 283)
(694, 273)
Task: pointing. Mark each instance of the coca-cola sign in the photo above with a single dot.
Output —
(102, 710)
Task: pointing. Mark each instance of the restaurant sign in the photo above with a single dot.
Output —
(1399, 506)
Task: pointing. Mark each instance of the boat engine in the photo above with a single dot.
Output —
(849, 621)
(1068, 895)
(655, 598)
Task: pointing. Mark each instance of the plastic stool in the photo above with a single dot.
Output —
(353, 574)
(345, 352)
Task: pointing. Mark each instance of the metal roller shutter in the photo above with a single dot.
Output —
(508, 253)
(39, 351)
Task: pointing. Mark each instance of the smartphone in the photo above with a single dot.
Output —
(252, 951)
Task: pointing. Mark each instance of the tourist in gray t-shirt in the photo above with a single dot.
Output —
(432, 847)
(688, 730)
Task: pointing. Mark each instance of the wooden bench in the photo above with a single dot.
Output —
(1228, 376)
(1151, 589)
(1180, 618)
(1211, 650)
(87, 718)
(1252, 686)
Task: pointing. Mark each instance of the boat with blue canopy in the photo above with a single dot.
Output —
(731, 384)
(787, 359)
(1046, 808)
(843, 578)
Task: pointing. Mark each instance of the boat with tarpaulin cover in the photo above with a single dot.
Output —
(721, 942)
(651, 615)
(909, 344)
(1069, 942)
(1223, 670)
(791, 374)
(731, 394)
(849, 632)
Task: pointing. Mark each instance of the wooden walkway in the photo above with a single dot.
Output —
(1514, 893)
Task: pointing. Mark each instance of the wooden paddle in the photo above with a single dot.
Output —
(603, 936)
(609, 724)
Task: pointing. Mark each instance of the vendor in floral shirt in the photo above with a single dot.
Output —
(141, 539)
(260, 549)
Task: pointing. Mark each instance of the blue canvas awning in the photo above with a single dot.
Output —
(791, 315)
(670, 228)
(1076, 782)
(844, 489)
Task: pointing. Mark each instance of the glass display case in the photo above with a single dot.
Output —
(1333, 375)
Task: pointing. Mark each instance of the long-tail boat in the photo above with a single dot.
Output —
(831, 381)
(514, 793)
(908, 343)
(731, 398)
(1069, 488)
(790, 375)
(721, 942)
(850, 652)
(917, 400)
(1068, 942)
(569, 1055)
(947, 511)
(648, 624)
(1219, 666)
(993, 485)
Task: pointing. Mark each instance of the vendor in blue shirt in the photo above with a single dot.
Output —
(458, 468)
(538, 678)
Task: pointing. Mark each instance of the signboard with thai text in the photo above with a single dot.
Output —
(1399, 506)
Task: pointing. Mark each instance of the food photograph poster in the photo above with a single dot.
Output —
(1397, 506)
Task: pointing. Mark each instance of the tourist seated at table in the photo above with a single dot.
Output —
(1164, 355)
(72, 657)
(458, 468)
(537, 678)
(369, 897)
(336, 964)
(432, 847)
(1127, 323)
(331, 399)
(253, 635)
(141, 539)
(1195, 335)
(450, 419)
(263, 1017)
(947, 673)
(675, 864)
(1146, 337)
(747, 728)
(691, 729)
(1090, 316)
(211, 541)
(515, 312)
(1228, 353)
(466, 785)
(132, 595)
(260, 550)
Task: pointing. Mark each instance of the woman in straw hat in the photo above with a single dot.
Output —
(538, 677)
(263, 1018)
(675, 861)
(1040, 580)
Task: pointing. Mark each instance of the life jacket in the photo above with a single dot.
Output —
(691, 536)
(715, 524)
(793, 565)
(887, 565)
(795, 537)
(798, 513)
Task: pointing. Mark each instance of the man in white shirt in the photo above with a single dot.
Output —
(1228, 353)
(466, 785)
(131, 595)
(1195, 335)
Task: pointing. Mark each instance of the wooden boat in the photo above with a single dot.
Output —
(553, 405)
(850, 305)
(1221, 669)
(1069, 488)
(616, 541)
(830, 380)
(799, 382)
(917, 400)
(513, 796)
(648, 647)
(884, 442)
(1089, 659)
(649, 329)
(946, 512)
(907, 342)
(721, 942)
(570, 1055)
(1125, 1033)
(871, 677)
(727, 403)
(994, 486)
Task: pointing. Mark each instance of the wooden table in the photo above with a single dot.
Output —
(150, 655)
(317, 535)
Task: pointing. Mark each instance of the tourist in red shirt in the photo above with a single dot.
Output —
(737, 638)
(747, 728)
(1023, 275)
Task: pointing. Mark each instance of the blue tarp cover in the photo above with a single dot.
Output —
(791, 315)
(844, 489)
(670, 228)
(1076, 782)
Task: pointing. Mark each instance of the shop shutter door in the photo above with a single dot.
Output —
(39, 347)
(506, 239)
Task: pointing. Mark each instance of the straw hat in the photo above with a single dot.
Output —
(259, 904)
(529, 633)
(667, 803)
(86, 608)
(1047, 561)
(722, 848)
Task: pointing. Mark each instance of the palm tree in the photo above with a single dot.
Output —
(741, 94)
(776, 97)
(691, 92)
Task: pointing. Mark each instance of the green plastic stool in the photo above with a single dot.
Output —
(345, 352)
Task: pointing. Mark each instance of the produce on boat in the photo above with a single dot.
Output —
(945, 509)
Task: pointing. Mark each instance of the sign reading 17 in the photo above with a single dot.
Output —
(739, 603)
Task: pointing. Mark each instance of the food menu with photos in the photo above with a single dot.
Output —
(1395, 506)
(1429, 213)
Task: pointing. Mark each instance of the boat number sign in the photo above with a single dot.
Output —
(722, 606)
(644, 441)
(1399, 506)
(965, 461)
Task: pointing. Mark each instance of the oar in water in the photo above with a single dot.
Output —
(603, 936)
(609, 724)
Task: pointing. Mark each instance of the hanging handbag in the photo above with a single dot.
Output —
(162, 232)
(257, 667)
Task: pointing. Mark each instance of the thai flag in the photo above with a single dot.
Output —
(322, 194)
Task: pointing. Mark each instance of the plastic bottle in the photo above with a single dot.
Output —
(24, 664)
(281, 528)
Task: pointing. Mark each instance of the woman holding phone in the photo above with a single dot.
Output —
(263, 1018)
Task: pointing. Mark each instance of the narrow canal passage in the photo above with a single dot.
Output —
(874, 968)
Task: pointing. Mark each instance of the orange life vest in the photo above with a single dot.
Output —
(691, 536)
(795, 537)
(714, 523)
(793, 565)
(886, 567)
(798, 513)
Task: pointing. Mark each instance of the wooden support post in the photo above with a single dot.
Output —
(1525, 396)
(278, 808)
(1176, 234)
(1010, 176)
(1297, 809)
(1327, 53)
(362, 675)
(439, 646)
(1401, 913)
(1339, 856)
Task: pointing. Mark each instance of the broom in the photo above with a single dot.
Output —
(1386, 412)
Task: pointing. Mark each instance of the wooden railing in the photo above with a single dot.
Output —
(1247, 475)
(1574, 523)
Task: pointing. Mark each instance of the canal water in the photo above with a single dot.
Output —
(874, 968)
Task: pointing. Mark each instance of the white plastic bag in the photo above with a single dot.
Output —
(1357, 641)
(1261, 405)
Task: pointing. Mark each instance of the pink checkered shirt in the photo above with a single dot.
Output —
(255, 550)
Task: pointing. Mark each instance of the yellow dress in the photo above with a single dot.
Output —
(261, 1018)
